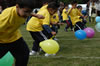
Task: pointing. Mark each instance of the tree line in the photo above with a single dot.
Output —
(79, 1)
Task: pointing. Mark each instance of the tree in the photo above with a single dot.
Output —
(79, 1)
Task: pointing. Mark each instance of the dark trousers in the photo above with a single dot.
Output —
(38, 37)
(69, 24)
(79, 26)
(54, 28)
(98, 13)
(18, 49)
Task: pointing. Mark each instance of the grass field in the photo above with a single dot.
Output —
(72, 52)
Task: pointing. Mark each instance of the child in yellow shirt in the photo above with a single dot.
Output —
(55, 24)
(10, 37)
(66, 18)
(83, 19)
(75, 15)
(40, 28)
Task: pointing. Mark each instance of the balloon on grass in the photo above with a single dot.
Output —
(50, 46)
(7, 60)
(89, 32)
(80, 34)
(97, 27)
(97, 19)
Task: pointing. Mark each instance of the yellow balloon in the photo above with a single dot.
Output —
(49, 46)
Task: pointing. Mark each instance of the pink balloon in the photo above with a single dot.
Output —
(90, 32)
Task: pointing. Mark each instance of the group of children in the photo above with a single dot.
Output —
(42, 26)
(73, 17)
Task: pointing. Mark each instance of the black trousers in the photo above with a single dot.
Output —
(38, 37)
(18, 49)
(98, 13)
(78, 26)
(69, 24)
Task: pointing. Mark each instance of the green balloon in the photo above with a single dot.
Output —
(7, 60)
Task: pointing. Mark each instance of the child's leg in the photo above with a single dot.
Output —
(3, 49)
(67, 25)
(71, 26)
(93, 19)
(20, 51)
(90, 19)
(38, 37)
(35, 46)
(58, 26)
(79, 26)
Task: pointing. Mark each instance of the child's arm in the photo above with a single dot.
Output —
(38, 16)
(69, 11)
(48, 29)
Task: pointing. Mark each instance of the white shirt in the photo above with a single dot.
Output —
(98, 5)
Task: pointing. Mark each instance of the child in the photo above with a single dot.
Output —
(44, 6)
(97, 3)
(83, 19)
(66, 18)
(75, 15)
(45, 3)
(10, 37)
(54, 24)
(40, 29)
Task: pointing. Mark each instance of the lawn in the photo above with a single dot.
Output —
(72, 52)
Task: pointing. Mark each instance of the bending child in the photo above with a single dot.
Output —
(40, 29)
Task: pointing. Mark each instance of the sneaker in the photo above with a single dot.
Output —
(46, 54)
(33, 53)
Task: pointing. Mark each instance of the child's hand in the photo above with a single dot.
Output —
(54, 23)
(40, 16)
(53, 33)
(61, 23)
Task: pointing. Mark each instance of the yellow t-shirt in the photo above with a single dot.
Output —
(55, 18)
(35, 24)
(52, 17)
(9, 24)
(64, 15)
(43, 7)
(74, 14)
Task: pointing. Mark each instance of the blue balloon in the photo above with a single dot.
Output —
(80, 34)
(97, 19)
(83, 12)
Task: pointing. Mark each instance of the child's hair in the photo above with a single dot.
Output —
(29, 3)
(52, 1)
(79, 7)
(66, 4)
(74, 2)
(53, 5)
(49, 1)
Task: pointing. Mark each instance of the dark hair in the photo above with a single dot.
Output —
(74, 2)
(53, 5)
(29, 3)
(79, 6)
(52, 1)
(65, 4)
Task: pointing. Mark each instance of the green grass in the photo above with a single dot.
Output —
(72, 52)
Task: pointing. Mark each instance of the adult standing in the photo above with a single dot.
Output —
(98, 7)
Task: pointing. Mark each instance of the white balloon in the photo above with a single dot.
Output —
(97, 27)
